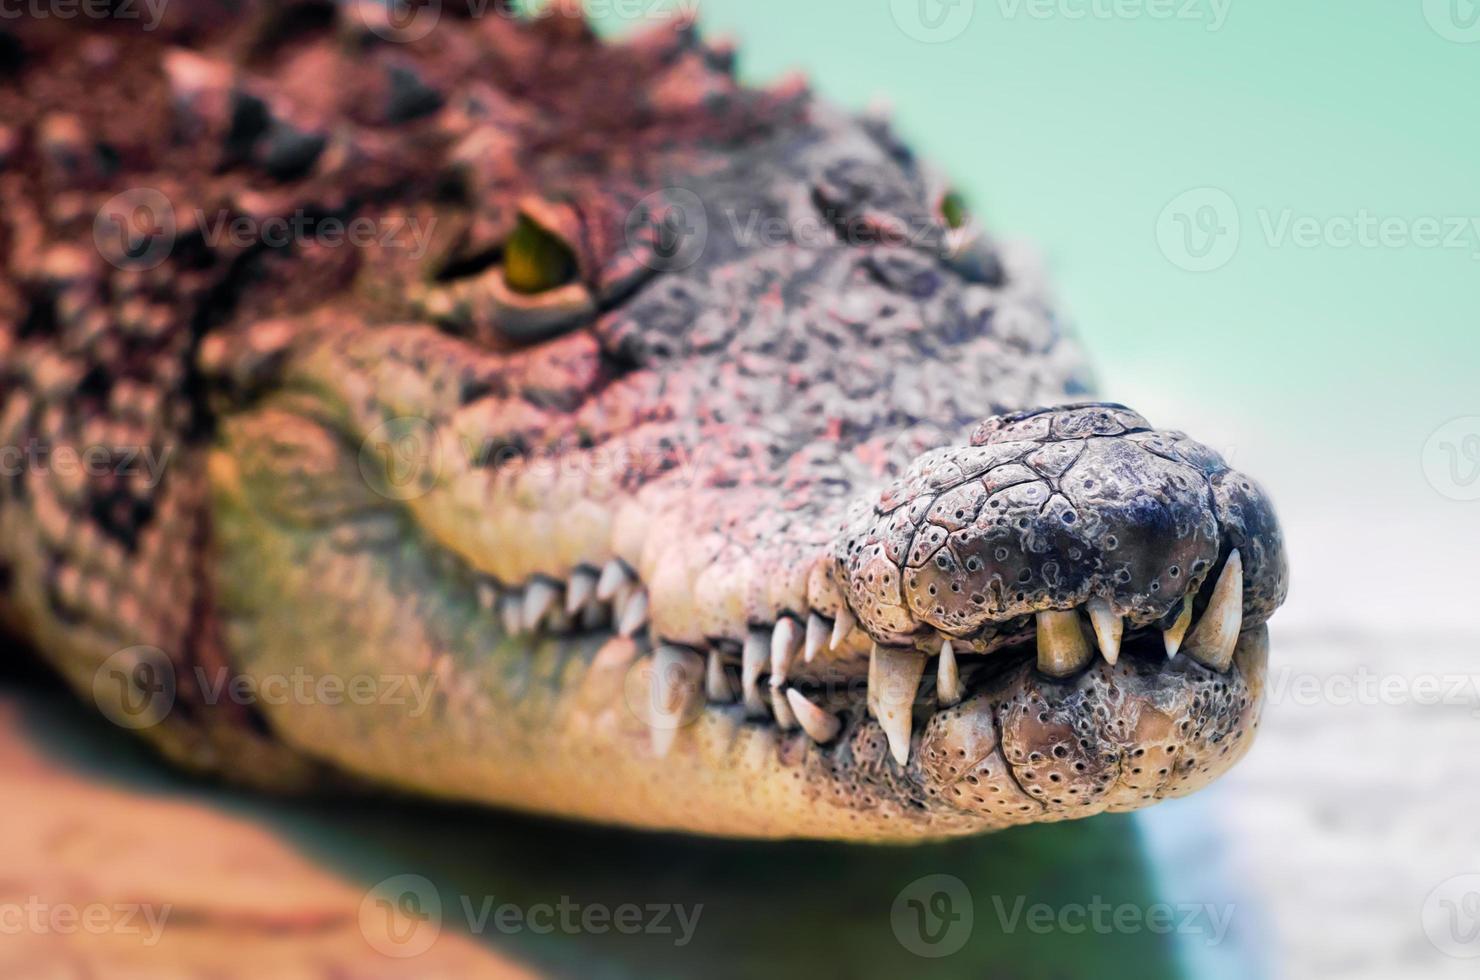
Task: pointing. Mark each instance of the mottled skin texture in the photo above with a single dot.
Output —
(760, 392)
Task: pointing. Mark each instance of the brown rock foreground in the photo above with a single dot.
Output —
(104, 880)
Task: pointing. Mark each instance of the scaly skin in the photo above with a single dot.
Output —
(676, 421)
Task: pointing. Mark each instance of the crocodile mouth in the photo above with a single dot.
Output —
(889, 668)
(825, 677)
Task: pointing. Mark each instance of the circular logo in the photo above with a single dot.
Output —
(135, 687)
(1454, 20)
(401, 458)
(399, 21)
(668, 229)
(657, 690)
(1451, 917)
(401, 916)
(1198, 230)
(933, 21)
(135, 229)
(932, 916)
(1451, 458)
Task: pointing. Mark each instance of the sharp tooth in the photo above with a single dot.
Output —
(820, 725)
(677, 674)
(624, 593)
(1062, 648)
(613, 577)
(753, 659)
(1215, 636)
(816, 636)
(893, 678)
(581, 590)
(511, 609)
(786, 640)
(1173, 634)
(487, 596)
(947, 678)
(634, 614)
(538, 599)
(842, 626)
(1108, 628)
(786, 720)
(716, 681)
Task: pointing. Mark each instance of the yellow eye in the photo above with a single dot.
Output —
(953, 210)
(535, 261)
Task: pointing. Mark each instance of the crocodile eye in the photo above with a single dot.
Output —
(535, 260)
(953, 210)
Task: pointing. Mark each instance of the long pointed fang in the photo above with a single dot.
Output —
(786, 719)
(842, 626)
(1173, 635)
(821, 726)
(1109, 628)
(947, 677)
(817, 630)
(538, 600)
(786, 640)
(893, 679)
(1215, 636)
(581, 590)
(613, 577)
(634, 614)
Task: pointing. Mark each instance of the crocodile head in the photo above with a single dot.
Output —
(684, 497)
(710, 469)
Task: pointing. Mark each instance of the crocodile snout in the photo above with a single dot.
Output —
(1051, 510)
